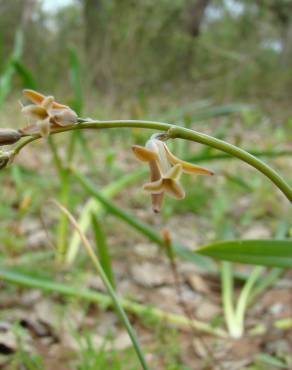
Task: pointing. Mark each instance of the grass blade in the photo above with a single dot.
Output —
(27, 77)
(6, 77)
(93, 206)
(275, 253)
(102, 249)
(24, 279)
(116, 303)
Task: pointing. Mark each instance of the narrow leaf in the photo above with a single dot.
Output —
(102, 249)
(276, 253)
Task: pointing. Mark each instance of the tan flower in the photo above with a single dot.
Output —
(46, 113)
(165, 171)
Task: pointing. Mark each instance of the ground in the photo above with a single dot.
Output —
(49, 327)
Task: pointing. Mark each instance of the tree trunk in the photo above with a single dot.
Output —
(92, 16)
(286, 56)
(196, 15)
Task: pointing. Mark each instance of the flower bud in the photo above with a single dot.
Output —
(9, 136)
(64, 117)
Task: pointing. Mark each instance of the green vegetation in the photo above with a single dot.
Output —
(213, 78)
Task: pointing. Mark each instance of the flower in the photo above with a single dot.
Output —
(46, 113)
(165, 171)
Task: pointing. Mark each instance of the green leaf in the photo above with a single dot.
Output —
(271, 360)
(7, 74)
(277, 253)
(102, 249)
(26, 75)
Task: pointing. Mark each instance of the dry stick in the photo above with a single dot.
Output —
(46, 229)
(178, 286)
(109, 288)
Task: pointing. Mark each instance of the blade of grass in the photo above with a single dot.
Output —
(266, 282)
(272, 276)
(102, 249)
(244, 296)
(93, 206)
(63, 174)
(27, 77)
(227, 282)
(14, 276)
(78, 103)
(6, 77)
(76, 137)
(275, 253)
(116, 303)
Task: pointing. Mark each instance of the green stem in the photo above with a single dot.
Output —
(62, 234)
(63, 174)
(265, 282)
(227, 299)
(56, 157)
(183, 133)
(245, 295)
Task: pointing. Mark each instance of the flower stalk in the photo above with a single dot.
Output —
(173, 132)
(50, 117)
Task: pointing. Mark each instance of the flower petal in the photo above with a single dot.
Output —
(174, 173)
(35, 111)
(186, 166)
(154, 187)
(157, 201)
(44, 127)
(144, 154)
(155, 174)
(33, 96)
(47, 103)
(37, 98)
(173, 188)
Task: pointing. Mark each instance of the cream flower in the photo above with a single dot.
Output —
(46, 113)
(165, 171)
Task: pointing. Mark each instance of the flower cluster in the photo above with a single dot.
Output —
(165, 171)
(45, 113)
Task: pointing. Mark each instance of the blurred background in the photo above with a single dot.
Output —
(223, 67)
(183, 48)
